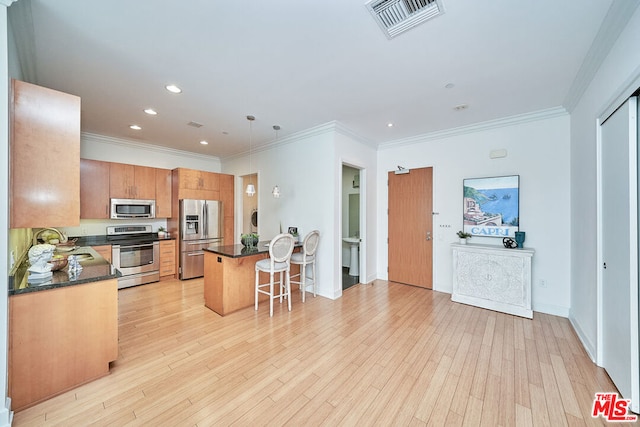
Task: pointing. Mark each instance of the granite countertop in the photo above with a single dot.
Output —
(238, 250)
(100, 240)
(94, 269)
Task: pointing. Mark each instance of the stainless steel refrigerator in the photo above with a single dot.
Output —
(200, 227)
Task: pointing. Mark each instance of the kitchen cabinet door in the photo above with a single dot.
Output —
(145, 182)
(44, 183)
(94, 189)
(132, 182)
(192, 179)
(121, 181)
(163, 193)
(167, 258)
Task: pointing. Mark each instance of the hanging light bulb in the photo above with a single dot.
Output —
(251, 190)
(276, 191)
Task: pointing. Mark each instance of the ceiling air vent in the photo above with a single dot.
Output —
(397, 16)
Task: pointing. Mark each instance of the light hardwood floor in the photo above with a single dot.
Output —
(383, 354)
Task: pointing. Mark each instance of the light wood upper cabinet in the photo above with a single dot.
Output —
(199, 180)
(195, 184)
(132, 182)
(94, 189)
(163, 193)
(44, 157)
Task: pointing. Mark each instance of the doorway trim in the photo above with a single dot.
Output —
(363, 223)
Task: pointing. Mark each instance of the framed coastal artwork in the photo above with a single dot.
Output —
(491, 206)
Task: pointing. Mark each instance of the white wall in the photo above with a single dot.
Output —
(353, 151)
(300, 167)
(538, 151)
(621, 66)
(306, 166)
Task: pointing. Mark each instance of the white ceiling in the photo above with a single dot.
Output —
(299, 64)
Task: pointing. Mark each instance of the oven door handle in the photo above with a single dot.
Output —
(146, 245)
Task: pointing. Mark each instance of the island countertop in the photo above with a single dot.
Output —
(94, 268)
(238, 251)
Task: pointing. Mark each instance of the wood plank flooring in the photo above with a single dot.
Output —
(383, 354)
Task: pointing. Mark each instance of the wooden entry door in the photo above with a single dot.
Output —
(411, 227)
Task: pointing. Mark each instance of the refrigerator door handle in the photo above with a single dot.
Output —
(206, 220)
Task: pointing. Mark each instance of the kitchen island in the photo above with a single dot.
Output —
(63, 333)
(229, 276)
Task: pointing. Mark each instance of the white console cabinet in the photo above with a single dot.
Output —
(493, 277)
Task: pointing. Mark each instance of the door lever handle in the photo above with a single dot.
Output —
(428, 235)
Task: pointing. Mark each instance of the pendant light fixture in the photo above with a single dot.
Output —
(251, 190)
(276, 191)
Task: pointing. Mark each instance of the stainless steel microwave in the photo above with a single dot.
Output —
(132, 208)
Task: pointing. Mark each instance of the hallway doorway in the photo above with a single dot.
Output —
(351, 226)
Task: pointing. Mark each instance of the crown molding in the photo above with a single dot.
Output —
(614, 23)
(340, 128)
(325, 128)
(322, 129)
(477, 127)
(89, 137)
(7, 3)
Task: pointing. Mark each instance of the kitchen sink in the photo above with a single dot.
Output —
(83, 257)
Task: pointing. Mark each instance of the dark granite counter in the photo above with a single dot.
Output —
(94, 269)
(238, 250)
(100, 240)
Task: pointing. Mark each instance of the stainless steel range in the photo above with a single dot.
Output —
(136, 253)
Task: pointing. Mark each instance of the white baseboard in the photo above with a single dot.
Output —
(554, 310)
(589, 347)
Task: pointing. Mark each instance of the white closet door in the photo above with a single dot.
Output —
(619, 302)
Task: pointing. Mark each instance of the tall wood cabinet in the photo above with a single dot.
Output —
(163, 193)
(201, 185)
(45, 157)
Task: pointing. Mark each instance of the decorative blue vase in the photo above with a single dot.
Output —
(520, 238)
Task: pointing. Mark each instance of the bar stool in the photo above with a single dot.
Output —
(280, 249)
(304, 258)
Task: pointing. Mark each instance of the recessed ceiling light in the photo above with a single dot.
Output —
(224, 132)
(461, 107)
(151, 111)
(203, 142)
(389, 125)
(449, 85)
(135, 127)
(173, 88)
